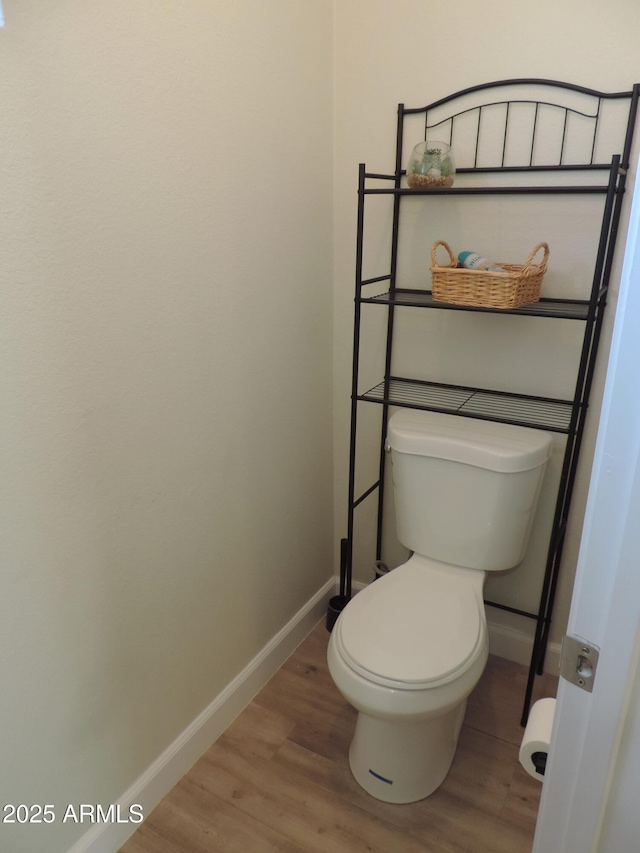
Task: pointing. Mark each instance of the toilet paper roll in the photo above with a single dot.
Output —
(537, 737)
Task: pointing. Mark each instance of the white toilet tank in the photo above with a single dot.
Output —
(465, 490)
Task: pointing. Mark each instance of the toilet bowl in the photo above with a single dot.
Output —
(408, 650)
(411, 648)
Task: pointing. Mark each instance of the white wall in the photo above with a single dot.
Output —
(415, 52)
(165, 259)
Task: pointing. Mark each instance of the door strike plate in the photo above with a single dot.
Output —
(579, 661)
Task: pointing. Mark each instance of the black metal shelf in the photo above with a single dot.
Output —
(540, 174)
(553, 189)
(566, 309)
(519, 409)
(504, 169)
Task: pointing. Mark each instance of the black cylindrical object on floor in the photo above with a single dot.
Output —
(338, 602)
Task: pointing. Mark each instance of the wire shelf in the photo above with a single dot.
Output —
(536, 412)
(568, 309)
(577, 189)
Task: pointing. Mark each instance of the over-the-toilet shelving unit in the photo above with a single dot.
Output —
(561, 175)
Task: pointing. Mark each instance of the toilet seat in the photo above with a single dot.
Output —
(415, 628)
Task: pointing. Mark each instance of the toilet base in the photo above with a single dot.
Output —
(404, 762)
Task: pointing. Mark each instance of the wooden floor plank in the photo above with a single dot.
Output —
(191, 819)
(260, 730)
(278, 779)
(313, 816)
(495, 706)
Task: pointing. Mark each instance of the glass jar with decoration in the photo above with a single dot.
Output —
(431, 166)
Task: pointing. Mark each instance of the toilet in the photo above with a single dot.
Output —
(408, 649)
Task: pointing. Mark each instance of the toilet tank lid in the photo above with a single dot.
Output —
(485, 444)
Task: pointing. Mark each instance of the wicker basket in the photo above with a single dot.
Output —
(518, 285)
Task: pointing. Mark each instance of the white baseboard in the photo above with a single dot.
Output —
(511, 643)
(167, 770)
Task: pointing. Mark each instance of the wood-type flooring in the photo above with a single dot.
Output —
(279, 779)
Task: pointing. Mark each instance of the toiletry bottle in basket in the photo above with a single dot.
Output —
(474, 261)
